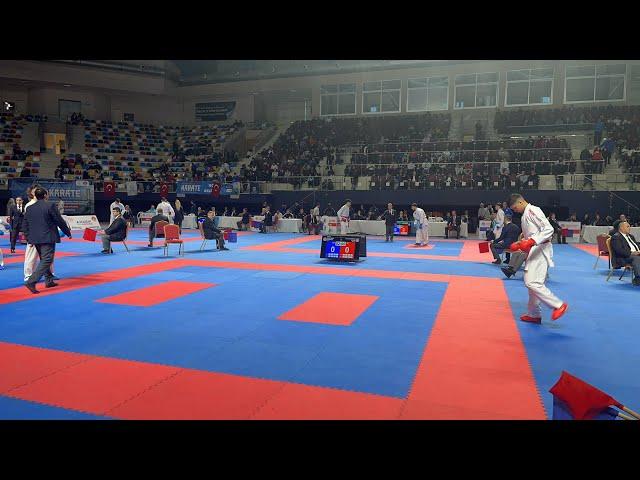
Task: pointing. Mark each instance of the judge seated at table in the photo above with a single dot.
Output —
(211, 232)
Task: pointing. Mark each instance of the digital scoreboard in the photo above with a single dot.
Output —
(401, 229)
(347, 248)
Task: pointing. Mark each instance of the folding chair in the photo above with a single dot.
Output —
(625, 268)
(603, 251)
(124, 240)
(204, 240)
(172, 235)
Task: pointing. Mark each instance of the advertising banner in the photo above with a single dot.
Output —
(214, 111)
(77, 196)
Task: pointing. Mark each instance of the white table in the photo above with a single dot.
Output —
(292, 225)
(228, 222)
(590, 232)
(437, 229)
(190, 221)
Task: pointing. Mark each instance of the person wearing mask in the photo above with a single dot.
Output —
(510, 234)
(116, 232)
(422, 226)
(41, 223)
(152, 226)
(211, 232)
(179, 211)
(114, 204)
(626, 251)
(390, 217)
(16, 215)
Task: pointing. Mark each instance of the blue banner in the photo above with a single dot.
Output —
(202, 188)
(214, 111)
(74, 198)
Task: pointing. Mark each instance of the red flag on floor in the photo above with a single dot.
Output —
(164, 189)
(109, 189)
(483, 247)
(89, 234)
(215, 189)
(583, 400)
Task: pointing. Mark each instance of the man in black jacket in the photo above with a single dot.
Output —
(116, 232)
(40, 224)
(626, 251)
(152, 226)
(390, 216)
(211, 232)
(510, 234)
(16, 215)
(453, 223)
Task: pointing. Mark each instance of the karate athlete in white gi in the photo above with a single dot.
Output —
(537, 234)
(30, 253)
(343, 217)
(166, 208)
(422, 226)
(497, 229)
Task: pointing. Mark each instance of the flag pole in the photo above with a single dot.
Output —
(631, 412)
(625, 417)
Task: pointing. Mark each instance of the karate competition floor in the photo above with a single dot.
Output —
(268, 330)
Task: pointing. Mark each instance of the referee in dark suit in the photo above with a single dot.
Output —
(390, 217)
(40, 225)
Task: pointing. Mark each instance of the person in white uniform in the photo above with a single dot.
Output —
(537, 233)
(343, 216)
(117, 203)
(497, 229)
(166, 208)
(422, 226)
(30, 253)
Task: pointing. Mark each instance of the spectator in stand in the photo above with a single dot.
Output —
(597, 134)
(607, 147)
(597, 160)
(533, 180)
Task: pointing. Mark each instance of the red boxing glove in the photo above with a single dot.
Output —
(524, 245)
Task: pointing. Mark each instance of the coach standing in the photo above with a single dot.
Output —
(40, 224)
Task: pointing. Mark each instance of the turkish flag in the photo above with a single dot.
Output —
(109, 189)
(215, 190)
(164, 189)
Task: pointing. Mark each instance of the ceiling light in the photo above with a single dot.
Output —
(67, 85)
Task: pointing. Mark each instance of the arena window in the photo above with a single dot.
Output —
(381, 96)
(338, 99)
(595, 83)
(529, 87)
(476, 90)
(427, 94)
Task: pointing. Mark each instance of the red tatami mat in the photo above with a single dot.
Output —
(331, 308)
(155, 294)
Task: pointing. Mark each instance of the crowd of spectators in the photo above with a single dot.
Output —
(566, 115)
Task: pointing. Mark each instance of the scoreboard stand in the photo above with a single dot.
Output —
(343, 248)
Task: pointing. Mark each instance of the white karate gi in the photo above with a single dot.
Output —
(536, 226)
(422, 226)
(343, 216)
(30, 253)
(497, 229)
(167, 210)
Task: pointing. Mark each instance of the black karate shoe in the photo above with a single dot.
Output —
(51, 285)
(508, 271)
(13, 250)
(31, 287)
(104, 251)
(224, 248)
(497, 262)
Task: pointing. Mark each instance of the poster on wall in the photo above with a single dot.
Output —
(214, 111)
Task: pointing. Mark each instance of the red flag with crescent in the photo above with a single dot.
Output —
(215, 190)
(164, 189)
(109, 189)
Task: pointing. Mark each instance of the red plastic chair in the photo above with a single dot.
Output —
(603, 250)
(172, 235)
(160, 228)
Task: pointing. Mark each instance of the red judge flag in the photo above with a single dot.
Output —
(109, 189)
(89, 235)
(483, 247)
(164, 189)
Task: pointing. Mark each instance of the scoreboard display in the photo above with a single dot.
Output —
(347, 248)
(401, 229)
